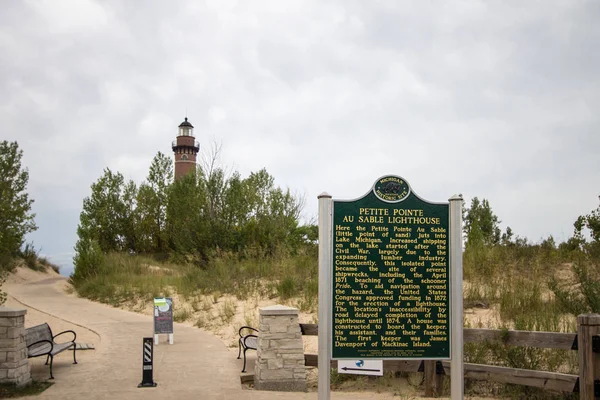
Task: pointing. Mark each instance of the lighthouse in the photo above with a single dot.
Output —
(185, 148)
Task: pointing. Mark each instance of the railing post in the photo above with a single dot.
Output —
(433, 381)
(588, 325)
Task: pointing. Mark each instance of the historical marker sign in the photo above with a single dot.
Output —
(390, 279)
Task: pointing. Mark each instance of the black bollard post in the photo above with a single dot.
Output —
(147, 359)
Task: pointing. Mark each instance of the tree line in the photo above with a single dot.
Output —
(199, 215)
(481, 229)
(489, 252)
(188, 219)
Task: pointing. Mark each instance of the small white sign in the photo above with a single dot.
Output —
(361, 367)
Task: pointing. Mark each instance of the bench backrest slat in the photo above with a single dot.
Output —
(37, 333)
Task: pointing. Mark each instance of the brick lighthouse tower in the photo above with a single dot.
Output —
(185, 148)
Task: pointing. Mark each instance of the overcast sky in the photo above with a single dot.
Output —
(495, 99)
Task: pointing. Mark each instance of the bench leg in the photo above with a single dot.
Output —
(239, 348)
(51, 360)
(244, 368)
(47, 358)
(74, 348)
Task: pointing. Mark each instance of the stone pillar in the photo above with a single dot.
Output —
(14, 366)
(280, 354)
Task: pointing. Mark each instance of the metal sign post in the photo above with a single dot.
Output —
(325, 260)
(457, 376)
(147, 359)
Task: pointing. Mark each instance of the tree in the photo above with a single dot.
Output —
(187, 227)
(103, 216)
(584, 295)
(152, 202)
(130, 233)
(272, 213)
(481, 224)
(87, 260)
(193, 217)
(589, 225)
(16, 218)
(236, 209)
(507, 236)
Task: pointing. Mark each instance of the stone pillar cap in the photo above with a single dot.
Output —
(278, 310)
(12, 312)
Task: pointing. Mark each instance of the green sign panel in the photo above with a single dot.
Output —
(390, 275)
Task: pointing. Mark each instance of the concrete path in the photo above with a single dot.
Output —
(196, 366)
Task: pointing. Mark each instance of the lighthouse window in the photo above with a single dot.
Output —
(184, 157)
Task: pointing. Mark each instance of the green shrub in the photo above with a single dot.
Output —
(7, 263)
(30, 256)
(47, 264)
(287, 288)
(583, 295)
(88, 259)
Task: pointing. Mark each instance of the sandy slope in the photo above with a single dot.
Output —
(209, 310)
(26, 276)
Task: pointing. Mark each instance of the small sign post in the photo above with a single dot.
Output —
(147, 360)
(361, 367)
(163, 318)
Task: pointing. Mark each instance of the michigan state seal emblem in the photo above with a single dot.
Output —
(391, 189)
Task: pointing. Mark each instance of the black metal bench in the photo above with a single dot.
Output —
(40, 342)
(247, 341)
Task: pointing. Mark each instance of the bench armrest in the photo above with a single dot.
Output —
(69, 331)
(42, 341)
(246, 327)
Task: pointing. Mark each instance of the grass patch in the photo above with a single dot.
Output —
(47, 264)
(182, 315)
(287, 288)
(119, 277)
(227, 311)
(207, 304)
(514, 281)
(518, 281)
(30, 257)
(202, 321)
(12, 391)
(250, 319)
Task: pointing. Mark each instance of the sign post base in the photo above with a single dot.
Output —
(156, 339)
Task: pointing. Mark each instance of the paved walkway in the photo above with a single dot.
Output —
(196, 366)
